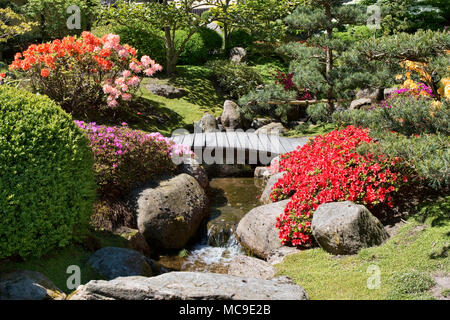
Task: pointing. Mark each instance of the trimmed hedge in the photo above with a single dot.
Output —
(47, 185)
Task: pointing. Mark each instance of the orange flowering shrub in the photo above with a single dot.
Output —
(84, 73)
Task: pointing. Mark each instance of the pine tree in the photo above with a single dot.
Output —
(314, 61)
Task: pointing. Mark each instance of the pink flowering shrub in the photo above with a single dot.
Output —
(83, 73)
(124, 157)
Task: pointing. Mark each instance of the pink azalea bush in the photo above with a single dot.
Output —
(82, 73)
(124, 157)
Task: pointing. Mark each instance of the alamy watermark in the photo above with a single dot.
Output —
(74, 20)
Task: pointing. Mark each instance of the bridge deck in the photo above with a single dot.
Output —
(247, 141)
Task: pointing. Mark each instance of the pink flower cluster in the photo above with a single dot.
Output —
(123, 157)
(120, 87)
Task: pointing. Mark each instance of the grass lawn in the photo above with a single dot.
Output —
(407, 262)
(182, 113)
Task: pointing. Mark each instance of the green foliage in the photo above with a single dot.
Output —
(200, 47)
(46, 175)
(375, 62)
(52, 16)
(412, 15)
(154, 16)
(235, 79)
(354, 33)
(142, 38)
(318, 112)
(410, 283)
(411, 130)
(12, 24)
(240, 38)
(257, 102)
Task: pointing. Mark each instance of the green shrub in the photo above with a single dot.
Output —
(199, 47)
(407, 115)
(412, 129)
(143, 39)
(47, 185)
(239, 38)
(235, 79)
(317, 112)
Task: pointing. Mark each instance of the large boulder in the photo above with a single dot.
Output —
(256, 231)
(112, 262)
(277, 256)
(190, 286)
(265, 197)
(230, 118)
(208, 123)
(238, 55)
(166, 91)
(260, 122)
(344, 228)
(362, 103)
(248, 267)
(273, 128)
(169, 212)
(28, 285)
(193, 168)
(374, 94)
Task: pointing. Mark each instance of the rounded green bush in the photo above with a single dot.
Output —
(47, 185)
(199, 47)
(239, 38)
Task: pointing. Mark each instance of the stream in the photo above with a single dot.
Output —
(230, 199)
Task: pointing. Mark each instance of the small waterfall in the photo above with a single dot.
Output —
(202, 257)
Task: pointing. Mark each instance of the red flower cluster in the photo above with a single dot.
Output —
(329, 169)
(284, 79)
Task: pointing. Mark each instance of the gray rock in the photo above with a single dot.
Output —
(274, 128)
(248, 267)
(260, 172)
(28, 285)
(112, 262)
(277, 256)
(166, 91)
(208, 123)
(230, 118)
(190, 286)
(265, 197)
(374, 94)
(344, 228)
(169, 212)
(360, 103)
(256, 231)
(238, 55)
(260, 122)
(136, 240)
(193, 168)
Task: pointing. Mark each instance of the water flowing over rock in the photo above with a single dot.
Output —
(190, 286)
(345, 228)
(112, 262)
(248, 267)
(169, 212)
(28, 285)
(256, 232)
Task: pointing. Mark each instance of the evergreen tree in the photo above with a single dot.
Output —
(313, 62)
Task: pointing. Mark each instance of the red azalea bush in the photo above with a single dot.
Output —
(123, 157)
(286, 80)
(81, 73)
(330, 169)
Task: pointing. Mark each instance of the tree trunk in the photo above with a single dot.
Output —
(329, 64)
(171, 60)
